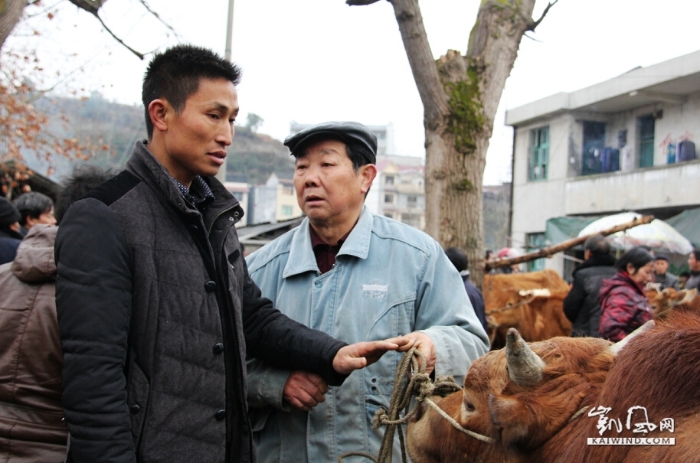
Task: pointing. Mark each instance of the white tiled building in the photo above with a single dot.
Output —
(274, 201)
(398, 190)
(623, 144)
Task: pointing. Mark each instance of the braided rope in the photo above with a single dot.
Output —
(417, 384)
(459, 427)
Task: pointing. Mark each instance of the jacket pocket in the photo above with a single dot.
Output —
(137, 394)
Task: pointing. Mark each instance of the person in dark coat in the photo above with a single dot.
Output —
(623, 305)
(156, 308)
(662, 276)
(32, 428)
(10, 236)
(693, 281)
(461, 262)
(581, 305)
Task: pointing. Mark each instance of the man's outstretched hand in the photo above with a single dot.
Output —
(361, 354)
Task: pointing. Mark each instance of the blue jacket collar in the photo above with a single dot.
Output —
(301, 255)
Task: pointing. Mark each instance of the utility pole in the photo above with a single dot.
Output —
(229, 38)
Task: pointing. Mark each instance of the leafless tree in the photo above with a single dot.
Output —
(460, 95)
(11, 13)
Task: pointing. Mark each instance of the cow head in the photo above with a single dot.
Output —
(663, 302)
(520, 396)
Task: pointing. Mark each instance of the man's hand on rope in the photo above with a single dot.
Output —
(424, 344)
(359, 355)
(305, 390)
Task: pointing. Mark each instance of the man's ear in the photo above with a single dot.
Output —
(158, 110)
(368, 172)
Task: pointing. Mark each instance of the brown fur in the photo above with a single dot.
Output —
(658, 370)
(668, 300)
(539, 319)
(519, 418)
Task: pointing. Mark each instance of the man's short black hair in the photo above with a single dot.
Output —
(83, 179)
(358, 155)
(696, 253)
(174, 76)
(597, 245)
(32, 204)
(458, 258)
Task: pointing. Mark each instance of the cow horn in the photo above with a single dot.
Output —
(619, 345)
(524, 365)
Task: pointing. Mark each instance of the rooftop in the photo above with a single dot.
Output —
(670, 81)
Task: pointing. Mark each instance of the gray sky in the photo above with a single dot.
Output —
(317, 60)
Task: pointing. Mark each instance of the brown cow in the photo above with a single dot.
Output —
(534, 409)
(663, 302)
(530, 302)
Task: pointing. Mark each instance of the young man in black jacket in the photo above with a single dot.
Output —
(581, 305)
(155, 306)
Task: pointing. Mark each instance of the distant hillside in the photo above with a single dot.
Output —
(252, 157)
(255, 156)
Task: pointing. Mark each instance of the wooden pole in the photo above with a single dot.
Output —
(564, 245)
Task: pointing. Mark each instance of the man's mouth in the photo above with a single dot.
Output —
(217, 156)
(313, 200)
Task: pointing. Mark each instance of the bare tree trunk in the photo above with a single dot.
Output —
(10, 13)
(460, 95)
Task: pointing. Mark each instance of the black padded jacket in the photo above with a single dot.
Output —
(156, 313)
(581, 305)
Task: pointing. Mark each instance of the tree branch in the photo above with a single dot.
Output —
(564, 245)
(533, 25)
(93, 7)
(420, 57)
(360, 2)
(157, 16)
(140, 55)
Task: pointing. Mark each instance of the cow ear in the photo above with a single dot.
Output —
(512, 416)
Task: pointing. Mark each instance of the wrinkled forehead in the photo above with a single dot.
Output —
(323, 144)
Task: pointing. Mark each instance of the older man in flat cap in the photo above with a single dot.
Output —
(356, 276)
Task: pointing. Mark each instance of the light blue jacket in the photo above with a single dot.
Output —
(405, 284)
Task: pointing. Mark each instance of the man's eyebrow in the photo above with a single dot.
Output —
(223, 108)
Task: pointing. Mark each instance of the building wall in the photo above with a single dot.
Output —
(536, 201)
(406, 188)
(566, 192)
(264, 204)
(241, 192)
(655, 187)
(286, 202)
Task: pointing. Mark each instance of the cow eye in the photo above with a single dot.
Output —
(469, 407)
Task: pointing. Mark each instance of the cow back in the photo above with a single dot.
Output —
(510, 304)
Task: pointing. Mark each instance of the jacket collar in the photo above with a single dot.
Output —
(301, 254)
(596, 261)
(145, 165)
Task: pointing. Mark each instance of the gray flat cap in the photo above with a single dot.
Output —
(350, 133)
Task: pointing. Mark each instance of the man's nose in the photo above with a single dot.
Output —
(311, 178)
(226, 134)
